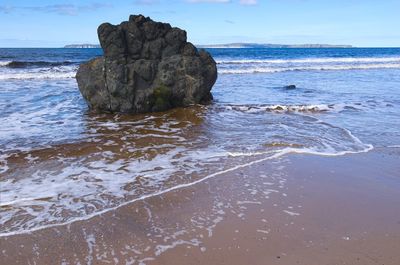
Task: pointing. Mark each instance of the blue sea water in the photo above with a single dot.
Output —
(56, 156)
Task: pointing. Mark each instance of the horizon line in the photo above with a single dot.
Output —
(352, 47)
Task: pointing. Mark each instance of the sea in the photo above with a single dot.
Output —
(60, 163)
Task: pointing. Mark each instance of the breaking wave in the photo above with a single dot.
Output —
(312, 60)
(67, 69)
(252, 70)
(32, 76)
(311, 108)
(4, 63)
(55, 72)
(31, 64)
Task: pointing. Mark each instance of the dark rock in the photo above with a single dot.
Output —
(290, 87)
(189, 50)
(147, 66)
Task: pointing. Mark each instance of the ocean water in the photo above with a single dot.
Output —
(60, 163)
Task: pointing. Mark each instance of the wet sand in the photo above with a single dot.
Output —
(297, 209)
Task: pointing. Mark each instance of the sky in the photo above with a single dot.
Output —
(361, 23)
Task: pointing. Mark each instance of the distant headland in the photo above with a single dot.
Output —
(236, 45)
(82, 46)
(261, 45)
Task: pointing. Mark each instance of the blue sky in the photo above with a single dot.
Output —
(373, 23)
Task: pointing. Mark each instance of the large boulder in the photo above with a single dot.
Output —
(147, 66)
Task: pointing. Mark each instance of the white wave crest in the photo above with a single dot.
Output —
(293, 108)
(34, 76)
(312, 60)
(4, 63)
(309, 68)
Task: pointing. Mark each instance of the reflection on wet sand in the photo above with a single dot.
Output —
(139, 232)
(122, 158)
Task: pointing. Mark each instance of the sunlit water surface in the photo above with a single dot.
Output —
(59, 163)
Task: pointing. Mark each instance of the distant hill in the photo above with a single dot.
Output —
(237, 45)
(83, 46)
(258, 45)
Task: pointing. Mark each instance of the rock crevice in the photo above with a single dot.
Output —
(147, 66)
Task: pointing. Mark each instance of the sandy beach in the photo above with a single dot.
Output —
(297, 209)
(218, 132)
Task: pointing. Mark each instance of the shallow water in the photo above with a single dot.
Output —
(59, 163)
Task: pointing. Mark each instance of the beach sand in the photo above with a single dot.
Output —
(298, 209)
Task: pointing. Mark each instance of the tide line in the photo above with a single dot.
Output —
(186, 185)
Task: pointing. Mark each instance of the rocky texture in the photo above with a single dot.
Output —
(147, 66)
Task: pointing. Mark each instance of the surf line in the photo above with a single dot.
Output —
(280, 153)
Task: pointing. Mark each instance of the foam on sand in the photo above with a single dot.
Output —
(119, 160)
(93, 214)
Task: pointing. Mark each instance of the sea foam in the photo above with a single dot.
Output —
(43, 75)
(66, 189)
(310, 108)
(253, 70)
(4, 63)
(312, 60)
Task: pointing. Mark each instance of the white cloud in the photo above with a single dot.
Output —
(242, 2)
(60, 9)
(146, 2)
(208, 1)
(6, 9)
(248, 2)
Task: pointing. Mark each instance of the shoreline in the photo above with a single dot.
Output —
(267, 212)
(275, 155)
